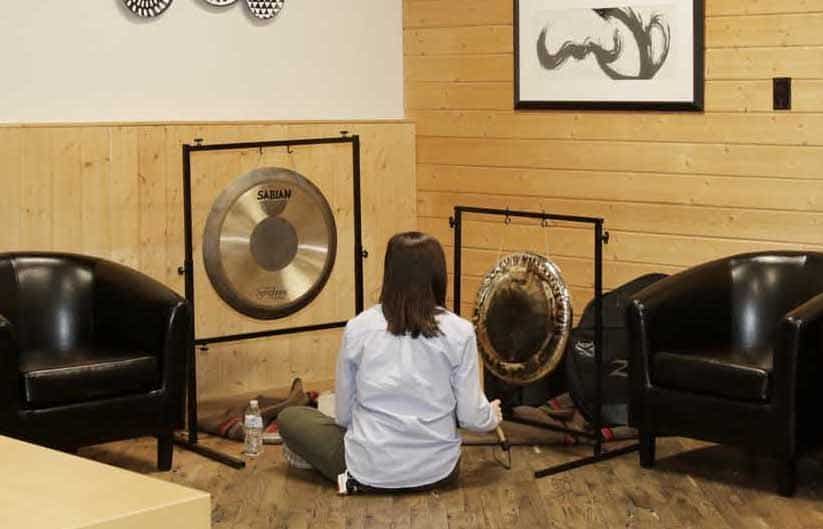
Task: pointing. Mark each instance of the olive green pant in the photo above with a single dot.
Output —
(316, 438)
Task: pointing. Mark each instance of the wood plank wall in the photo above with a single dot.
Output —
(675, 189)
(115, 191)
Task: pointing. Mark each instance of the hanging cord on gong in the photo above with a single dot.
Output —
(259, 157)
(506, 222)
(291, 162)
(545, 224)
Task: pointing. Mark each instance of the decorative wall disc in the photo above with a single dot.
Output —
(265, 9)
(220, 2)
(147, 8)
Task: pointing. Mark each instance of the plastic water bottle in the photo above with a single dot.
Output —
(253, 426)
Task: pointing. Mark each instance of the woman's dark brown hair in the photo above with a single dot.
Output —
(414, 284)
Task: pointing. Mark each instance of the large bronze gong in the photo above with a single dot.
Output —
(269, 243)
(523, 317)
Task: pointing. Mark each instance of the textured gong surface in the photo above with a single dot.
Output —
(523, 318)
(265, 9)
(518, 317)
(269, 243)
(147, 8)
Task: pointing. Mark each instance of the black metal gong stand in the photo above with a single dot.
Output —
(601, 237)
(190, 440)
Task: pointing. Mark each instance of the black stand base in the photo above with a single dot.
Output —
(551, 427)
(220, 457)
(585, 461)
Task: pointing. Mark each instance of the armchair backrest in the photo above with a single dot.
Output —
(49, 299)
(766, 286)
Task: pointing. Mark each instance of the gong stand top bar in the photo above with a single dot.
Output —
(527, 214)
(601, 237)
(187, 270)
(275, 143)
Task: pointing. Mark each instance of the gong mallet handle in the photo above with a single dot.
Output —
(501, 437)
(504, 445)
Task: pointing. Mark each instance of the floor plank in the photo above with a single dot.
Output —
(694, 485)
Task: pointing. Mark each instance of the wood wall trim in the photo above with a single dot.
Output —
(202, 123)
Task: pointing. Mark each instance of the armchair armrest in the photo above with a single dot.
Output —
(8, 368)
(798, 362)
(133, 310)
(808, 314)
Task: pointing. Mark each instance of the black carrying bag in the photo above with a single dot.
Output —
(579, 364)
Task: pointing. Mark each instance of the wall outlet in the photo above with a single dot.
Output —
(782, 92)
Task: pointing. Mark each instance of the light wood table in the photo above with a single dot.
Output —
(42, 488)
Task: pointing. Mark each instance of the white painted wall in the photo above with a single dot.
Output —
(92, 60)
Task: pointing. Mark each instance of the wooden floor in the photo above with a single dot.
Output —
(694, 486)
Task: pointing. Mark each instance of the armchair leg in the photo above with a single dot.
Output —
(787, 477)
(165, 450)
(647, 449)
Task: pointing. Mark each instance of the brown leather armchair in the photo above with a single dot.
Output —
(731, 351)
(90, 352)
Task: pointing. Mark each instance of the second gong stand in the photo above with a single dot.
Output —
(600, 238)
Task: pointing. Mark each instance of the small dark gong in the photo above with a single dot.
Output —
(523, 317)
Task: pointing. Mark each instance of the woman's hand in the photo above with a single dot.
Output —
(498, 413)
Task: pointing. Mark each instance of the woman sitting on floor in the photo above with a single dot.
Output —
(406, 368)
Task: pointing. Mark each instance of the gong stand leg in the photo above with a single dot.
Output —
(585, 461)
(205, 451)
(190, 441)
(550, 427)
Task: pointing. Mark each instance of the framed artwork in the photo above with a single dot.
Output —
(608, 54)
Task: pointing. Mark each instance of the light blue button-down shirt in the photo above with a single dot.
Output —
(399, 397)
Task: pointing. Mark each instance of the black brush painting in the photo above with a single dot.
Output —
(651, 40)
